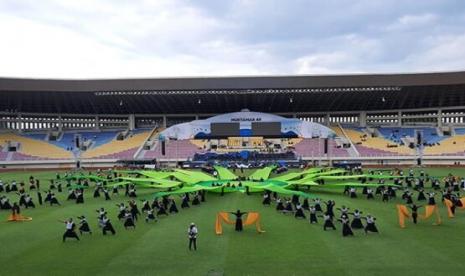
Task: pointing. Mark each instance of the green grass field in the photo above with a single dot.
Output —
(289, 246)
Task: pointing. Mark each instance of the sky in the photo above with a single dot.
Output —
(88, 39)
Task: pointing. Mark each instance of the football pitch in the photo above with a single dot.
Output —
(288, 247)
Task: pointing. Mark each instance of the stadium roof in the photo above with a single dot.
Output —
(228, 94)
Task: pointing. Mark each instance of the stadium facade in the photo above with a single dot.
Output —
(394, 118)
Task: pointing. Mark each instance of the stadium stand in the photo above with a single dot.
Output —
(31, 149)
(118, 149)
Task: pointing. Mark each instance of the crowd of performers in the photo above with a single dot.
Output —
(417, 191)
(128, 214)
(316, 208)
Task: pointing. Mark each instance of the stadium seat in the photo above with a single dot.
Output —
(118, 148)
(36, 148)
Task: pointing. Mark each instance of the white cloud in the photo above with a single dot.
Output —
(143, 38)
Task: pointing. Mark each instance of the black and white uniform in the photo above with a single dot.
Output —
(431, 200)
(346, 230)
(328, 222)
(192, 233)
(70, 233)
(185, 201)
(29, 202)
(299, 211)
(71, 195)
(370, 227)
(357, 220)
(173, 207)
(107, 226)
(128, 221)
(313, 218)
(352, 193)
(266, 199)
(79, 197)
(150, 216)
(107, 194)
(318, 205)
(279, 205)
(370, 194)
(196, 200)
(84, 226)
(122, 211)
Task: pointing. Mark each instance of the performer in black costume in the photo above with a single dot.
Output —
(185, 201)
(313, 218)
(173, 207)
(84, 225)
(150, 216)
(238, 215)
(266, 198)
(421, 195)
(431, 200)
(414, 209)
(346, 230)
(279, 204)
(357, 220)
(128, 220)
(318, 205)
(328, 219)
(70, 230)
(107, 226)
(370, 227)
(299, 211)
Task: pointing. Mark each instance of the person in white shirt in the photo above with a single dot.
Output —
(70, 230)
(192, 233)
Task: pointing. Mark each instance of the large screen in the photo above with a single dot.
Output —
(225, 129)
(266, 129)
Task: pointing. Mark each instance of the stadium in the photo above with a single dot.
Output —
(284, 149)
(396, 119)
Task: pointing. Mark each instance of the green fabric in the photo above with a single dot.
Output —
(161, 182)
(340, 177)
(262, 174)
(354, 184)
(224, 173)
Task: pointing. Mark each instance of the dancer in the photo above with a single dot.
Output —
(128, 220)
(70, 230)
(173, 207)
(370, 194)
(279, 204)
(431, 200)
(352, 192)
(238, 214)
(329, 208)
(357, 220)
(161, 210)
(107, 226)
(299, 211)
(266, 198)
(150, 216)
(133, 209)
(346, 230)
(192, 233)
(370, 227)
(328, 219)
(318, 205)
(313, 218)
(185, 201)
(414, 209)
(84, 225)
(106, 193)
